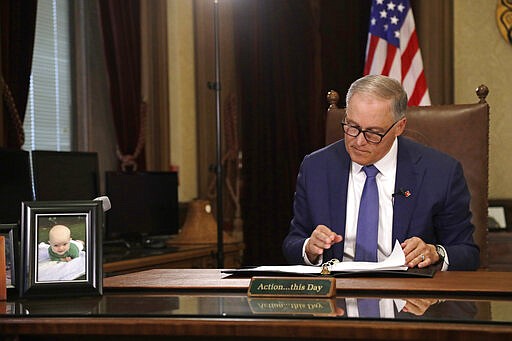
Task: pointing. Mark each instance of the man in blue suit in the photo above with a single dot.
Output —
(423, 199)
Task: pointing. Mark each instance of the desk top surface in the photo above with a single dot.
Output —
(451, 282)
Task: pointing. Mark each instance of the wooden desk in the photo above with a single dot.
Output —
(187, 256)
(194, 304)
(450, 282)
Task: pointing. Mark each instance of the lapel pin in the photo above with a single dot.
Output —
(404, 192)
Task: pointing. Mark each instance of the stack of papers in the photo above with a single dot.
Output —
(395, 262)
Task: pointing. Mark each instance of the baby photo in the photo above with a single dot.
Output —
(61, 250)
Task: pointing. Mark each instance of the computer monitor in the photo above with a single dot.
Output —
(65, 175)
(15, 184)
(144, 205)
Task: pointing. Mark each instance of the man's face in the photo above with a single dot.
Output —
(373, 114)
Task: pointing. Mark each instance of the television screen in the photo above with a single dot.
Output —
(144, 204)
(15, 184)
(65, 175)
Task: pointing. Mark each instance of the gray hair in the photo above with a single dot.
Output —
(381, 87)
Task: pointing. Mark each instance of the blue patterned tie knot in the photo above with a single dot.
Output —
(368, 218)
(371, 171)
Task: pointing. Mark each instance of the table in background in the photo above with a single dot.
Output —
(203, 256)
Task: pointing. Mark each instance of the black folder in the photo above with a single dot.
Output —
(427, 272)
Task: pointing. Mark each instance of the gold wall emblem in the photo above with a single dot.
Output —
(504, 19)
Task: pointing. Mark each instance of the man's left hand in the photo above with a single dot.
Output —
(418, 253)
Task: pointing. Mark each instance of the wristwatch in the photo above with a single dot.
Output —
(440, 251)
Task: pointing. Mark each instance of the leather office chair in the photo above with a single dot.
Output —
(460, 130)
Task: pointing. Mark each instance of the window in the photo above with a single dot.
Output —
(48, 122)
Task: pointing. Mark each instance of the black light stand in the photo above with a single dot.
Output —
(218, 169)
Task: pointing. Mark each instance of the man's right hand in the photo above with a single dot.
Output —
(321, 239)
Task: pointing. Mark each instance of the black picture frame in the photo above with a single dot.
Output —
(10, 232)
(77, 274)
(503, 207)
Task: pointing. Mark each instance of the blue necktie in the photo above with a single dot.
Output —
(368, 218)
(368, 307)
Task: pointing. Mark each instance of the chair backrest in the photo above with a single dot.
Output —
(460, 130)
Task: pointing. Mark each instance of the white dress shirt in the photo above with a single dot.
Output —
(385, 185)
(386, 307)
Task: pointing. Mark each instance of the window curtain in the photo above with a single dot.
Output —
(17, 26)
(94, 121)
(278, 56)
(122, 42)
(155, 83)
(289, 53)
(434, 26)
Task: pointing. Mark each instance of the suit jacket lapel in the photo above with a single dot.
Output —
(408, 179)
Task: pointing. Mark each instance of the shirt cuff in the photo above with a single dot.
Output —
(446, 262)
(305, 257)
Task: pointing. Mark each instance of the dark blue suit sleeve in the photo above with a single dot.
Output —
(319, 199)
(453, 226)
(300, 226)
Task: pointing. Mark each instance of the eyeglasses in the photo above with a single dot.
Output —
(370, 136)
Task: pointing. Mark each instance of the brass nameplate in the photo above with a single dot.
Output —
(292, 286)
(294, 306)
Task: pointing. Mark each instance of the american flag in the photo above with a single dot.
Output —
(393, 49)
